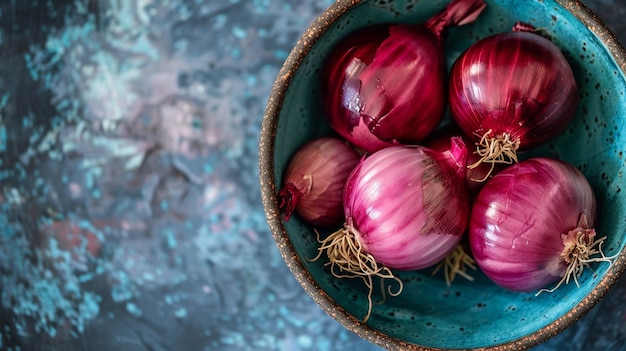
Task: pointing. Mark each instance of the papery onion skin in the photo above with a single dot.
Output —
(387, 84)
(314, 181)
(519, 216)
(518, 83)
(440, 140)
(408, 206)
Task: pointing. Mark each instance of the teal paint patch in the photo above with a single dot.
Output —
(180, 313)
(133, 309)
(239, 32)
(3, 138)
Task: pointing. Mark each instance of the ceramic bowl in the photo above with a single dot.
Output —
(467, 315)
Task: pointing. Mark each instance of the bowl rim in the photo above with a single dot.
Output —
(268, 189)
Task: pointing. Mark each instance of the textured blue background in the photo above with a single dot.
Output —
(130, 214)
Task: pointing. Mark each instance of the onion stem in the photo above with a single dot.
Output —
(580, 246)
(348, 260)
(497, 149)
(456, 262)
(288, 198)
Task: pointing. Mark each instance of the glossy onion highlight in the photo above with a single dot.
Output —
(408, 206)
(532, 224)
(387, 84)
(512, 91)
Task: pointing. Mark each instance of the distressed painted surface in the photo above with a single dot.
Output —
(130, 216)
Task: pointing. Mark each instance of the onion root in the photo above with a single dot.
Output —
(348, 260)
(456, 262)
(580, 249)
(497, 149)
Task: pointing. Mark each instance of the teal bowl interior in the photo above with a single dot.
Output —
(466, 315)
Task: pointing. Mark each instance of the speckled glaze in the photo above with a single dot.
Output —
(428, 315)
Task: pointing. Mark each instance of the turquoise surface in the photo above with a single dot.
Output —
(475, 314)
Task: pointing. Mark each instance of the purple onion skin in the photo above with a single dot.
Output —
(518, 83)
(314, 182)
(408, 206)
(518, 218)
(440, 141)
(387, 84)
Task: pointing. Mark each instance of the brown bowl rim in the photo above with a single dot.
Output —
(268, 190)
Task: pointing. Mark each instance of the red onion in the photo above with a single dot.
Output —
(532, 224)
(512, 91)
(386, 84)
(406, 208)
(314, 181)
